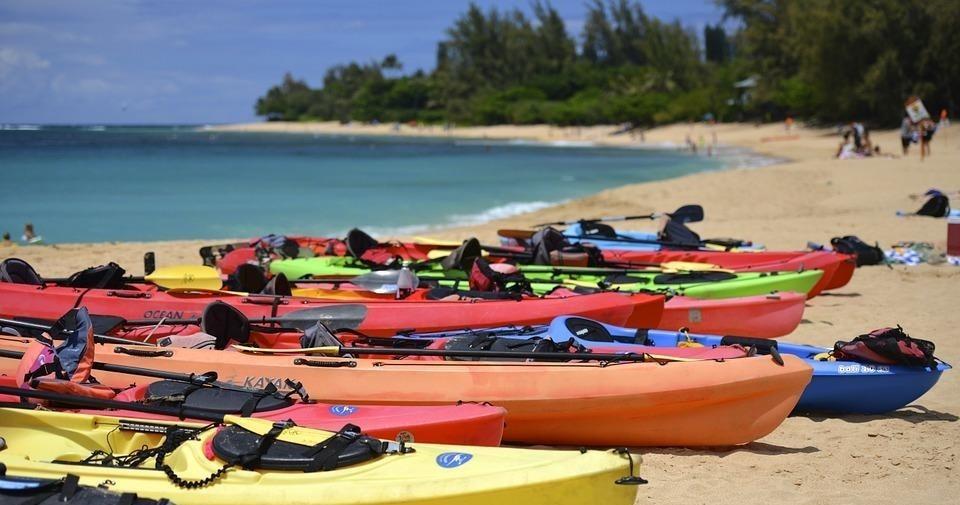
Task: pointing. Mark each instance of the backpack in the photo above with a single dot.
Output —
(483, 277)
(865, 253)
(887, 346)
(937, 206)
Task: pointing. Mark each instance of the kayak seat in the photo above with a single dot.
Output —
(487, 342)
(588, 330)
(247, 278)
(109, 276)
(597, 229)
(225, 323)
(442, 292)
(463, 257)
(344, 448)
(278, 286)
(17, 271)
(214, 399)
(693, 277)
(358, 242)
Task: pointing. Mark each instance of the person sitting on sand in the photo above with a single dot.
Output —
(28, 233)
(848, 149)
(6, 239)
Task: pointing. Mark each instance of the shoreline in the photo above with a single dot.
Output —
(912, 453)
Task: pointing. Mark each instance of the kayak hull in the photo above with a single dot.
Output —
(770, 316)
(374, 317)
(465, 424)
(701, 403)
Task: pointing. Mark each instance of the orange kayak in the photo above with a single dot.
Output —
(697, 403)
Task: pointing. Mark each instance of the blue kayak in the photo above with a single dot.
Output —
(843, 387)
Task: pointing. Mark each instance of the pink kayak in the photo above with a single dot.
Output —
(467, 423)
(768, 316)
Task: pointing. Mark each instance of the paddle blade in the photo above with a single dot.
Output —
(333, 316)
(690, 266)
(516, 234)
(186, 276)
(386, 281)
(688, 214)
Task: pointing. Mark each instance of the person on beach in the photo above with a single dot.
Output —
(907, 133)
(28, 233)
(6, 239)
(927, 129)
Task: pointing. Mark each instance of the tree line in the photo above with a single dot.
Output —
(820, 60)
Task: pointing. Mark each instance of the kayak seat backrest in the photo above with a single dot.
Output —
(247, 278)
(675, 232)
(214, 399)
(109, 276)
(278, 286)
(463, 257)
(693, 277)
(17, 271)
(597, 229)
(347, 447)
(586, 329)
(225, 323)
(358, 242)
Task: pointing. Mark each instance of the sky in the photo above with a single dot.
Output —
(207, 61)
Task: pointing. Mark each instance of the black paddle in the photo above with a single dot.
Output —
(684, 214)
(100, 339)
(99, 404)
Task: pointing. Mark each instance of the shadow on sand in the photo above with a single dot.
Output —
(760, 448)
(914, 414)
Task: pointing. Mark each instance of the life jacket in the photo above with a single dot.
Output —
(65, 369)
(500, 277)
(887, 346)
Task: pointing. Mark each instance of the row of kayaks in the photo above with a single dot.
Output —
(315, 384)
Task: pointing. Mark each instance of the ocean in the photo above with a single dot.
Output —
(112, 183)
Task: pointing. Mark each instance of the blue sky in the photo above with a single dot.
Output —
(177, 61)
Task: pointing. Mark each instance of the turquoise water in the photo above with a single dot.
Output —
(91, 184)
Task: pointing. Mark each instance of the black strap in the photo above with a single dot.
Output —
(249, 461)
(326, 454)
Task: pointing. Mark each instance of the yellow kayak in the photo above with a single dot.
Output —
(208, 464)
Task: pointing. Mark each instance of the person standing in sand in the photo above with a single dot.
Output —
(906, 133)
(927, 129)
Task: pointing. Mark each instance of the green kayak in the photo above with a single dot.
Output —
(543, 278)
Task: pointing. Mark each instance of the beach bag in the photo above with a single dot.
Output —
(887, 346)
(865, 253)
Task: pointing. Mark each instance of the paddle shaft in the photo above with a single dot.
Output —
(558, 356)
(95, 403)
(128, 370)
(103, 339)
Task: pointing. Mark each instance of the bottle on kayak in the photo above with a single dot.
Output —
(406, 283)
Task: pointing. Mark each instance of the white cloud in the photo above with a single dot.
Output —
(17, 61)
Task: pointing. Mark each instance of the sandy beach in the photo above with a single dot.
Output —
(910, 455)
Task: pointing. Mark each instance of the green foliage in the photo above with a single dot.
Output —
(826, 60)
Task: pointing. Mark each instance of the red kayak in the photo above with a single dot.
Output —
(467, 423)
(373, 317)
(837, 268)
(769, 316)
